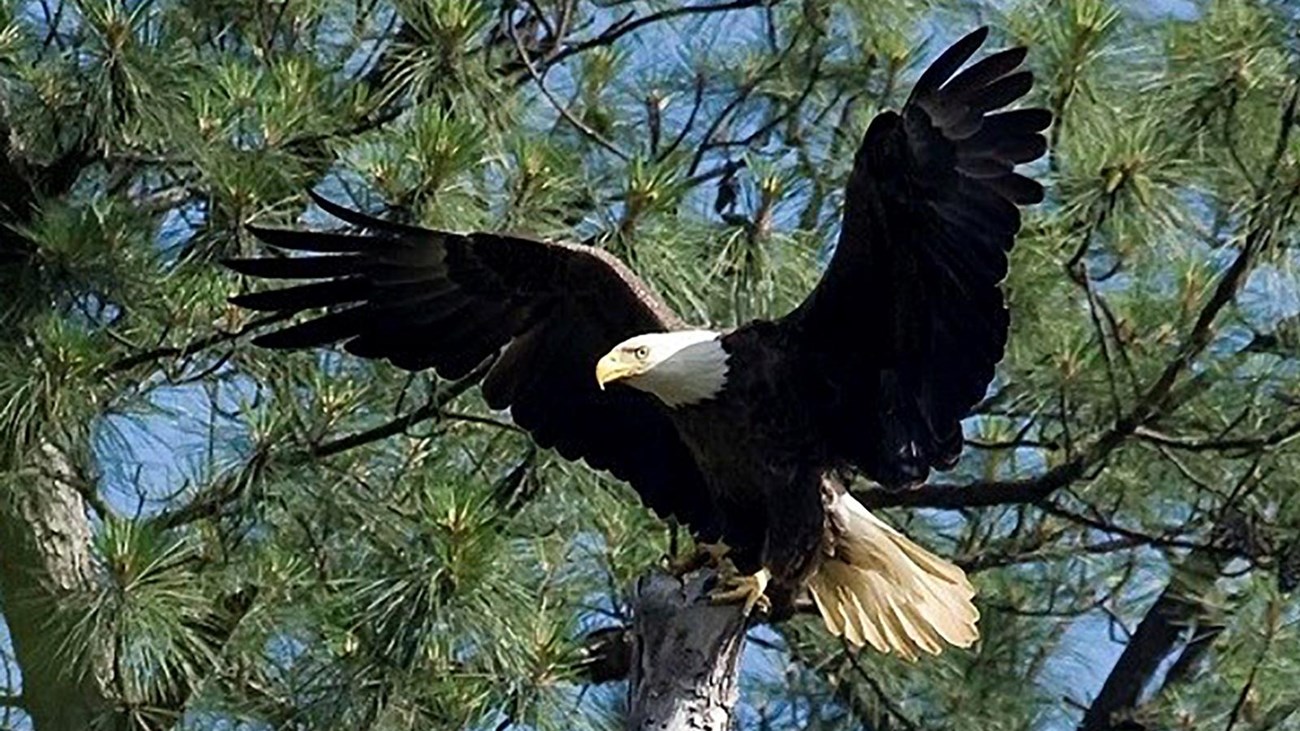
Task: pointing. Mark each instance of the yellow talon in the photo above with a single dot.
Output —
(751, 590)
(704, 554)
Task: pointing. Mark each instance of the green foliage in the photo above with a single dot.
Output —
(306, 540)
(153, 610)
(47, 387)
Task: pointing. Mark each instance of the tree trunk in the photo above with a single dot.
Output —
(45, 558)
(685, 656)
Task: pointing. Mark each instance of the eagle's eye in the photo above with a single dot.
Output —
(641, 353)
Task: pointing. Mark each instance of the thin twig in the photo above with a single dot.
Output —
(876, 688)
(400, 424)
(578, 124)
(192, 347)
(627, 24)
(1270, 440)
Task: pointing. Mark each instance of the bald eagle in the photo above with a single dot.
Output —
(745, 436)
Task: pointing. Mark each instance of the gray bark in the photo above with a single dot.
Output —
(45, 558)
(685, 656)
(45, 536)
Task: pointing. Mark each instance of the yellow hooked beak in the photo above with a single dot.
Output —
(612, 368)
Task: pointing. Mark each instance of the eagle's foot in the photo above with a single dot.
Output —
(704, 554)
(751, 590)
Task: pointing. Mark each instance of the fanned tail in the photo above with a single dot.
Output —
(884, 590)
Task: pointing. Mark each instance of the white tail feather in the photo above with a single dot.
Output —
(881, 589)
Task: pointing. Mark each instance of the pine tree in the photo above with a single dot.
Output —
(197, 534)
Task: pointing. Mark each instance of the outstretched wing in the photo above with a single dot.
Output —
(901, 336)
(431, 299)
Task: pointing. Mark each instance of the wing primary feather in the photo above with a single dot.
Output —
(1027, 148)
(1004, 91)
(1015, 122)
(984, 72)
(984, 167)
(323, 330)
(306, 296)
(410, 293)
(296, 267)
(1017, 189)
(362, 220)
(947, 63)
(322, 241)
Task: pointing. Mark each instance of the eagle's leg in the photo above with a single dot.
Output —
(751, 589)
(704, 554)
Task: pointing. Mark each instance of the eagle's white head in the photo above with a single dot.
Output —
(681, 368)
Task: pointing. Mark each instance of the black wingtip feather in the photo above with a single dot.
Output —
(1018, 189)
(320, 241)
(347, 215)
(1004, 91)
(318, 331)
(297, 267)
(365, 221)
(1024, 150)
(1010, 124)
(948, 62)
(985, 71)
(304, 297)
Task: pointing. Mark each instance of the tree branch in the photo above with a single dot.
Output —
(1245, 445)
(538, 79)
(192, 347)
(216, 496)
(48, 557)
(443, 397)
(685, 657)
(630, 24)
(1178, 607)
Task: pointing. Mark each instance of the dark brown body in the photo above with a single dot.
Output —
(759, 451)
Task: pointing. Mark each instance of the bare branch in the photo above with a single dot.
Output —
(1156, 636)
(686, 656)
(1276, 438)
(630, 24)
(696, 102)
(538, 78)
(428, 411)
(194, 346)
